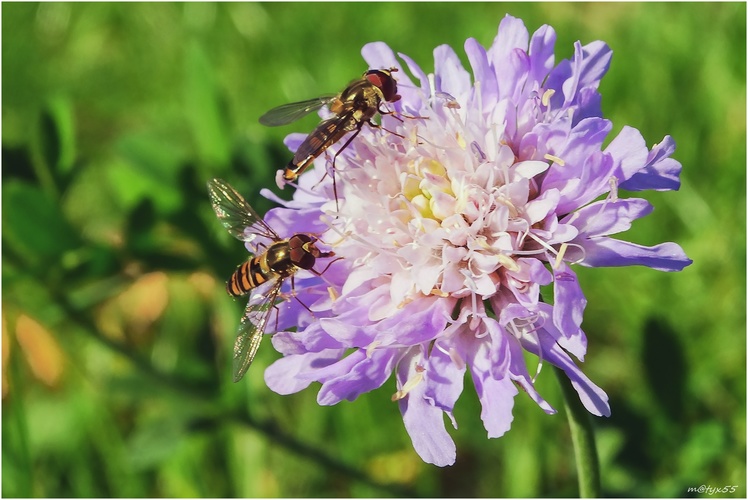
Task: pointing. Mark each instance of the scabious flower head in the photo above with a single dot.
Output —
(448, 228)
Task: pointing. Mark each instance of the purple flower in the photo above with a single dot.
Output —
(448, 233)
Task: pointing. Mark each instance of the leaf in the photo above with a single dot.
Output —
(155, 157)
(33, 224)
(132, 187)
(154, 442)
(57, 134)
(665, 366)
(202, 106)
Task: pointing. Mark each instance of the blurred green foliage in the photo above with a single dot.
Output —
(116, 330)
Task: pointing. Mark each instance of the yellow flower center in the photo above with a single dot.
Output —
(428, 189)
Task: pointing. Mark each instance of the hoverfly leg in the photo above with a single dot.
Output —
(326, 254)
(414, 117)
(375, 125)
(259, 248)
(293, 293)
(397, 115)
(277, 317)
(334, 184)
(335, 157)
(335, 191)
(341, 149)
(393, 114)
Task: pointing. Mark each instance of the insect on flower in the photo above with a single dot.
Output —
(352, 108)
(264, 273)
(450, 233)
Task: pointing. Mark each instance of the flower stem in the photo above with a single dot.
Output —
(583, 437)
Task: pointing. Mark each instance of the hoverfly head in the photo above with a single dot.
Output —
(302, 250)
(383, 80)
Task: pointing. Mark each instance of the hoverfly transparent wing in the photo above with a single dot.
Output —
(287, 113)
(236, 215)
(327, 133)
(252, 329)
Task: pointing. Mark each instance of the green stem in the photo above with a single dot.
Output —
(583, 437)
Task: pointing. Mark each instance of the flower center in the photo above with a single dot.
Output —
(426, 185)
(454, 219)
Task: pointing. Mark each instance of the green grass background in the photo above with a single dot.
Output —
(115, 115)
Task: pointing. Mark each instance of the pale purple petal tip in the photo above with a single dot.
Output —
(423, 421)
(610, 252)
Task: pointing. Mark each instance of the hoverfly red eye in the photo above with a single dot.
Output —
(305, 261)
(298, 240)
(375, 77)
(384, 81)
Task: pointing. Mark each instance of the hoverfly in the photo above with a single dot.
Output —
(282, 259)
(352, 108)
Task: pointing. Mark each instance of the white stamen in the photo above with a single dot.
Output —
(581, 249)
(613, 183)
(560, 256)
(456, 358)
(461, 140)
(453, 355)
(508, 203)
(479, 335)
(537, 251)
(351, 235)
(514, 330)
(546, 99)
(361, 260)
(508, 262)
(405, 302)
(472, 286)
(519, 332)
(441, 146)
(554, 159)
(449, 100)
(413, 136)
(611, 198)
(409, 385)
(480, 240)
(441, 349)
(540, 363)
(543, 243)
(370, 348)
(520, 239)
(476, 320)
(480, 95)
(432, 89)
